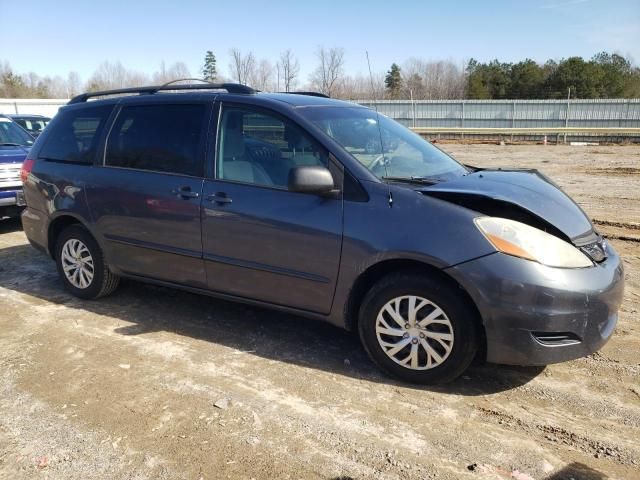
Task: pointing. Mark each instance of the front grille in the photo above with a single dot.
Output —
(596, 251)
(10, 175)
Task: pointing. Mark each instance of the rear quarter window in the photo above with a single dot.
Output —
(75, 135)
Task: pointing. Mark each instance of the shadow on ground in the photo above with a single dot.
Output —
(8, 225)
(577, 471)
(261, 332)
(573, 471)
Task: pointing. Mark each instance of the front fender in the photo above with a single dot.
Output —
(413, 227)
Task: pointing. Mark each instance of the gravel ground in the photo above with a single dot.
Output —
(153, 383)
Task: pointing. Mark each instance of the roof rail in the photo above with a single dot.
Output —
(150, 90)
(311, 94)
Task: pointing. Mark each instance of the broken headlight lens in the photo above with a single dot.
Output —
(521, 240)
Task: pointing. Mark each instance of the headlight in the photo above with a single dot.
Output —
(520, 240)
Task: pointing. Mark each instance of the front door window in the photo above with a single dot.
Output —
(260, 149)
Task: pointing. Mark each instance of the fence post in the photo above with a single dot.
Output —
(513, 118)
(413, 108)
(566, 118)
(462, 121)
(15, 106)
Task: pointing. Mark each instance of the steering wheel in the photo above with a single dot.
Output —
(380, 161)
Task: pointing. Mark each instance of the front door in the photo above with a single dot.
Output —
(145, 199)
(261, 241)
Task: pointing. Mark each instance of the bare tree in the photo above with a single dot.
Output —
(242, 66)
(441, 79)
(53, 87)
(262, 76)
(32, 85)
(362, 87)
(73, 86)
(115, 75)
(166, 74)
(288, 69)
(327, 75)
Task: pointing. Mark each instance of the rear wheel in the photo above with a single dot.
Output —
(418, 329)
(81, 264)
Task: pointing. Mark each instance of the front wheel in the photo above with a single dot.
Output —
(81, 264)
(418, 329)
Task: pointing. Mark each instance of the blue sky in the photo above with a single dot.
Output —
(55, 37)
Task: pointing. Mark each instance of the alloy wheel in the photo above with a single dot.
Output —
(414, 332)
(77, 263)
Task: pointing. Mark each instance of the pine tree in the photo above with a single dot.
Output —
(393, 81)
(209, 71)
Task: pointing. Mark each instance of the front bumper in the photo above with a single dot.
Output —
(12, 198)
(537, 315)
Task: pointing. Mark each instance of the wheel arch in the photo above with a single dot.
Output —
(57, 226)
(375, 272)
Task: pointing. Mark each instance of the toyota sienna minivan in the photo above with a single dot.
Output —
(277, 200)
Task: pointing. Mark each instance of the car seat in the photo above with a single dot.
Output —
(236, 165)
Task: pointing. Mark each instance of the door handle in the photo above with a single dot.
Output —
(219, 197)
(185, 192)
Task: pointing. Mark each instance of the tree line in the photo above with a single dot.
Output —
(605, 75)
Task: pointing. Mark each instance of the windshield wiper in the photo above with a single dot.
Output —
(9, 144)
(412, 179)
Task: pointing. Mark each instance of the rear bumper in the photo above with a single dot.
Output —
(537, 315)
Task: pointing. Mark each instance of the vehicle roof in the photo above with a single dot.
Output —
(294, 100)
(301, 100)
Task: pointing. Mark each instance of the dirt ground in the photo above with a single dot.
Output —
(152, 383)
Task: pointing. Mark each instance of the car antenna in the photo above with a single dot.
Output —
(375, 106)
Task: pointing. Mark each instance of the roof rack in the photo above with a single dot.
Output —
(311, 94)
(150, 90)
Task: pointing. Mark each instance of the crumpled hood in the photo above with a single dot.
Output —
(11, 154)
(527, 190)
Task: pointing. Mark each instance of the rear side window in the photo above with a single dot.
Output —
(75, 135)
(159, 138)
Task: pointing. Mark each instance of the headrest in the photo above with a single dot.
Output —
(233, 137)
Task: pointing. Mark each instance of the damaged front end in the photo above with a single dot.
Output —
(525, 196)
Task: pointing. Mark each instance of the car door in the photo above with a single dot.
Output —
(260, 240)
(145, 197)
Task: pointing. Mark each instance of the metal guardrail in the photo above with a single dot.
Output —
(596, 131)
(553, 134)
(617, 112)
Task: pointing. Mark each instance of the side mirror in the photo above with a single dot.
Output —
(311, 179)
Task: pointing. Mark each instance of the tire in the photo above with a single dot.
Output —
(102, 282)
(446, 315)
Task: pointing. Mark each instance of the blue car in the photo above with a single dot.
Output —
(15, 144)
